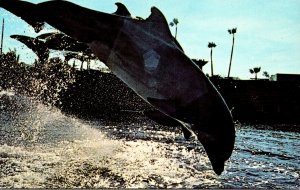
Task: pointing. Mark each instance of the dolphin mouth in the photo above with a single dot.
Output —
(217, 135)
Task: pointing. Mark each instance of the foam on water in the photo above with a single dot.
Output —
(42, 148)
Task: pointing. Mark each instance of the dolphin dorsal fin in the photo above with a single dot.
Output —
(122, 10)
(159, 24)
(156, 16)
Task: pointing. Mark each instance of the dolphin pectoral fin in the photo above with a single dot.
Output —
(161, 118)
(168, 106)
(166, 120)
(186, 133)
(186, 130)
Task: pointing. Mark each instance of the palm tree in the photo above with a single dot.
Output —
(200, 62)
(232, 31)
(266, 74)
(2, 35)
(255, 70)
(211, 45)
(174, 23)
(12, 56)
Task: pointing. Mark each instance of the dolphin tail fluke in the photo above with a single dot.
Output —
(26, 10)
(161, 118)
(36, 45)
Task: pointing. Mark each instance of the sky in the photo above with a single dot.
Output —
(268, 32)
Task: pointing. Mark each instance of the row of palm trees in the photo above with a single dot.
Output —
(212, 45)
(256, 70)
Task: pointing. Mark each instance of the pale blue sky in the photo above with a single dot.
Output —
(268, 32)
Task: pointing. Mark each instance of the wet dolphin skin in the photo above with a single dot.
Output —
(144, 55)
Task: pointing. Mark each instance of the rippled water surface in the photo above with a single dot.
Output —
(42, 148)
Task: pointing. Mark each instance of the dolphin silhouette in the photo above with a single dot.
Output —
(42, 44)
(144, 55)
(36, 45)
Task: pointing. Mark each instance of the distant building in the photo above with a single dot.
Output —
(286, 77)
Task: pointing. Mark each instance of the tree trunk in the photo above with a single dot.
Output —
(88, 64)
(81, 67)
(2, 35)
(176, 32)
(211, 61)
(231, 57)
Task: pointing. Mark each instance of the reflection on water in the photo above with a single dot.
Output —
(42, 148)
(264, 158)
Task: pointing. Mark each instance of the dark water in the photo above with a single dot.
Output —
(42, 148)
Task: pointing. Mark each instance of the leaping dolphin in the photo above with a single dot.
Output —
(144, 55)
(42, 44)
(37, 46)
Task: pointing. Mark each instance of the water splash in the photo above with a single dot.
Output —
(42, 148)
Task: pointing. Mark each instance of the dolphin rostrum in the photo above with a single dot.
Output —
(144, 55)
